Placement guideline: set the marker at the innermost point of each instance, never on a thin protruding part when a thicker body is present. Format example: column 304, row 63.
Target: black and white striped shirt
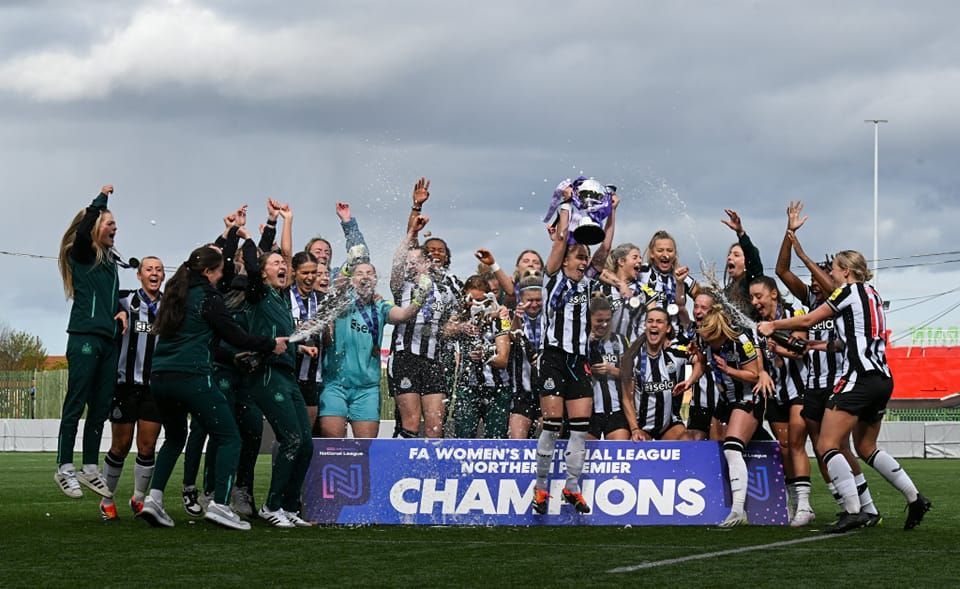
column 567, row 312
column 662, row 288
column 302, row 309
column 627, row 318
column 654, row 379
column 737, row 354
column 822, row 366
column 606, row 389
column 861, row 327
column 422, row 336
column 788, row 374
column 481, row 373
column 136, row 345
column 524, row 352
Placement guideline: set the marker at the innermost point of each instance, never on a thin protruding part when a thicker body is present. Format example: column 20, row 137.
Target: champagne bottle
column 786, row 340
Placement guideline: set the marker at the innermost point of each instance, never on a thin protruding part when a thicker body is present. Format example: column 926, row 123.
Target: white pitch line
column 741, row 550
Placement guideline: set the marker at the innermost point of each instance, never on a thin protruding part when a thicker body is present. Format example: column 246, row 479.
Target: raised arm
column 486, row 257
column 82, row 250
column 599, row 260
column 351, row 231
column 421, row 193
column 399, row 266
column 256, row 290
column 799, row 322
column 269, row 232
column 820, row 276
column 791, row 280
column 286, row 236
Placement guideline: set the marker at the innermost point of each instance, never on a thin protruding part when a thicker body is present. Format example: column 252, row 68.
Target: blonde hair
column 715, row 325
column 854, row 262
column 66, row 246
column 657, row 236
column 618, row 253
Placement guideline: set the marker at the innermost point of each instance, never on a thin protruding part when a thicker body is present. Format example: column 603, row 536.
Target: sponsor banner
column 491, row 482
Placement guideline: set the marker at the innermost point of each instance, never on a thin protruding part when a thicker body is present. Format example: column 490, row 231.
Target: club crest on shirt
column 278, row 397
column 405, row 383
column 549, row 385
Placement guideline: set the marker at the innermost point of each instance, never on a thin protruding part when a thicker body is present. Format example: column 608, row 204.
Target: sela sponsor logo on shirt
column 658, row 387
column 141, row 327
column 825, row 325
column 578, row 299
column 357, row 326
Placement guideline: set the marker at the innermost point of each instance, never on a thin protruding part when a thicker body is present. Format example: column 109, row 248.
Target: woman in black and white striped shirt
column 789, row 372
column 606, row 349
column 524, row 353
column 619, row 284
column 654, row 380
column 737, row 372
column 133, row 403
column 860, row 395
column 564, row 382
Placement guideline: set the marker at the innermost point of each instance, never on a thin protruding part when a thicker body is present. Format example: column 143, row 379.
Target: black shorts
column 867, row 399
column 753, row 407
column 602, row 424
column 564, row 375
column 526, row 404
column 815, row 403
column 132, row 403
column 779, row 413
column 658, row 435
column 410, row 373
column 310, row 392
column 700, row 419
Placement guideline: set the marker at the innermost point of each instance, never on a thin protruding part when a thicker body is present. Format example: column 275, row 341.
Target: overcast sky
column 193, row 108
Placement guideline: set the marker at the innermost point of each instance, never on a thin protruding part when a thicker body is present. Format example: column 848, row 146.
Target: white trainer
column 96, row 482
column 67, row 481
column 802, row 518
column 735, row 518
column 204, row 499
column 277, row 519
column 295, row 519
column 153, row 514
column 223, row 515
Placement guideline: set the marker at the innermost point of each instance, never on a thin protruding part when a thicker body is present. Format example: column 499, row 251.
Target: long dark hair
column 174, row 307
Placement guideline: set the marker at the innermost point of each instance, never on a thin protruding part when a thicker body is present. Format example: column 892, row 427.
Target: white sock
column 142, row 473
column 576, row 454
column 90, row 469
column 792, row 497
column 737, row 467
column 842, row 478
column 836, row 496
column 67, row 467
column 157, row 495
column 866, row 501
column 545, row 446
column 891, row 470
column 802, row 487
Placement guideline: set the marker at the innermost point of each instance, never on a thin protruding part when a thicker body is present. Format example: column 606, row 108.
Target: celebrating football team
column 595, row 341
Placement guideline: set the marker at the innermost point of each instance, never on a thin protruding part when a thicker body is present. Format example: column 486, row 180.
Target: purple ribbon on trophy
column 590, row 206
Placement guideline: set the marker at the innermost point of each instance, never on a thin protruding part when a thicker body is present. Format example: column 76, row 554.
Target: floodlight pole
column 876, row 200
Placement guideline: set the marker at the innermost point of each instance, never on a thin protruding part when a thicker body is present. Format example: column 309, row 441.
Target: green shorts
column 356, row 404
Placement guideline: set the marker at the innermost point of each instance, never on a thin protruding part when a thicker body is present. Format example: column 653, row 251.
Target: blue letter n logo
column 336, row 481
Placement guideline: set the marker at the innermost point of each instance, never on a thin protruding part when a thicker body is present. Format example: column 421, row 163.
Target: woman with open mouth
column 418, row 350
column 861, row 393
column 653, row 381
column 628, row 298
column 606, row 349
column 481, row 330
column 743, row 265
column 524, row 352
column 670, row 282
column 708, row 410
column 273, row 387
column 738, row 374
column 564, row 382
column 89, row 272
column 789, row 372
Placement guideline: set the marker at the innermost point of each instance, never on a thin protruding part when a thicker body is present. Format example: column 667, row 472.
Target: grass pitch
column 47, row 539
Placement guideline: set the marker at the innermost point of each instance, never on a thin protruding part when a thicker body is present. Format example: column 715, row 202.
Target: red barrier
column 924, row 373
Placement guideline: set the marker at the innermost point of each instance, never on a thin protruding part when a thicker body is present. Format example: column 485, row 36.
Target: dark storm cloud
column 193, row 108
